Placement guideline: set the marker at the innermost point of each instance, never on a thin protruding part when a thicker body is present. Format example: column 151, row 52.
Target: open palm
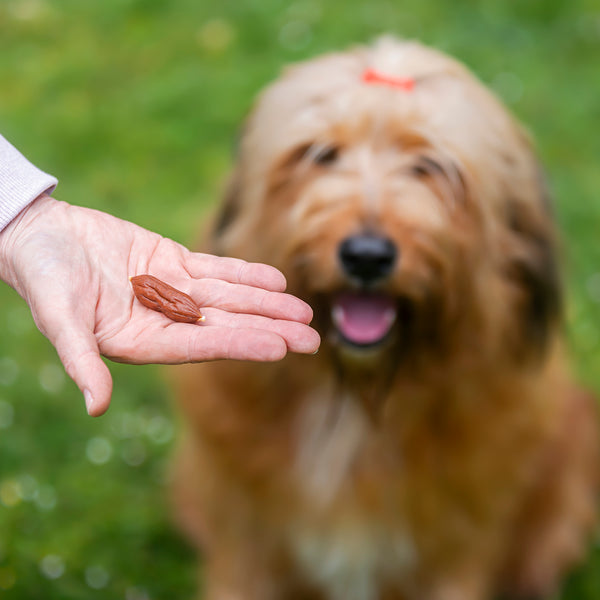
column 72, row 266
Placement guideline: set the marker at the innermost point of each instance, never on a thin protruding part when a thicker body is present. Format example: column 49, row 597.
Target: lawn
column 135, row 106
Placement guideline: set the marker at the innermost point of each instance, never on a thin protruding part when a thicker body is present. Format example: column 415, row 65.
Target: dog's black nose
column 367, row 257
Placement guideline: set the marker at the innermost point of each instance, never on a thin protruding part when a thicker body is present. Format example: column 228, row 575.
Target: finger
column 182, row 343
column 247, row 299
column 235, row 270
column 79, row 354
column 214, row 343
column 298, row 337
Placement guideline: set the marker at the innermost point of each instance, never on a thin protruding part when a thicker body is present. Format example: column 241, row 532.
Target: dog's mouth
column 363, row 319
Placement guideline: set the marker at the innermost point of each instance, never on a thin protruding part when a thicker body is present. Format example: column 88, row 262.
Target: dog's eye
column 445, row 179
column 326, row 155
column 426, row 166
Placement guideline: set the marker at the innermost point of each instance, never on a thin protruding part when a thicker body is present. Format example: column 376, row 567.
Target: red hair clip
column 402, row 83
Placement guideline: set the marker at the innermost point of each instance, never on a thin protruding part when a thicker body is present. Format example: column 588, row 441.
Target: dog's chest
column 353, row 561
column 349, row 536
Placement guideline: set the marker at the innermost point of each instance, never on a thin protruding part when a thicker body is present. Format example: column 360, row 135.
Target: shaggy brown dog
column 435, row 448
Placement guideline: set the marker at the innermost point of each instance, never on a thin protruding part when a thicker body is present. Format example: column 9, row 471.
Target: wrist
column 14, row 234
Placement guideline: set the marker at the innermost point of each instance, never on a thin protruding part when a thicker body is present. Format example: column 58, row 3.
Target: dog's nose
column 367, row 257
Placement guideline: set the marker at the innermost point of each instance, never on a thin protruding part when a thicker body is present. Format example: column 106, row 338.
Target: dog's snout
column 367, row 257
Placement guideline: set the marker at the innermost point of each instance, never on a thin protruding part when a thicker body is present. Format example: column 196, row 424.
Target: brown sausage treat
column 160, row 296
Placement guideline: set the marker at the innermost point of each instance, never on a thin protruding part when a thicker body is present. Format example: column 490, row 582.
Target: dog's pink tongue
column 363, row 318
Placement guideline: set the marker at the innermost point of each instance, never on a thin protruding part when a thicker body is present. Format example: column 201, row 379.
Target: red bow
column 402, row 83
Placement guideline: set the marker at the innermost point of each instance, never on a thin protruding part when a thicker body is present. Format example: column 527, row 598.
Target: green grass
column 135, row 105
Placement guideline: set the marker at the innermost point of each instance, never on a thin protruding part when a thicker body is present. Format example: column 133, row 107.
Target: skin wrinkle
column 216, row 293
column 25, row 220
column 110, row 333
column 240, row 274
column 68, row 347
column 147, row 266
column 182, row 252
column 133, row 343
column 191, row 351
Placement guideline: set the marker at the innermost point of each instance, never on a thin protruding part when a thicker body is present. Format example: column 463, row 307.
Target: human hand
column 72, row 266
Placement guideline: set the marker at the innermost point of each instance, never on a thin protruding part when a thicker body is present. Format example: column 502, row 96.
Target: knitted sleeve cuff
column 20, row 182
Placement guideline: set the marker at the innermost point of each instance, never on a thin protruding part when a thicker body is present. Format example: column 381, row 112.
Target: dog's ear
column 535, row 267
column 227, row 213
column 229, row 206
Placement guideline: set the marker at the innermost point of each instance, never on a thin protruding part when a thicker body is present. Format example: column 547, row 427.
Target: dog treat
column 160, row 296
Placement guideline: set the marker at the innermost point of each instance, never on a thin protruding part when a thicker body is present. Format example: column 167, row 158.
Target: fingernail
column 89, row 400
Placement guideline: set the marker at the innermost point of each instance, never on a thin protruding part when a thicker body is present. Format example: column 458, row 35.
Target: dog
column 436, row 447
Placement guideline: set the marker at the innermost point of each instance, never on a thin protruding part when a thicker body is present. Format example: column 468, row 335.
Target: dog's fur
column 439, row 451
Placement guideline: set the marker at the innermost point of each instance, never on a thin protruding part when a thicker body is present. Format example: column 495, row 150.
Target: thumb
column 79, row 354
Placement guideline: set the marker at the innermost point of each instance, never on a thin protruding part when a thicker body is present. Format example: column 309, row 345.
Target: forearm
column 20, row 182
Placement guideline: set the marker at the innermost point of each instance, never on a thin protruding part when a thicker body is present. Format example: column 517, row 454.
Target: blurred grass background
column 135, row 105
